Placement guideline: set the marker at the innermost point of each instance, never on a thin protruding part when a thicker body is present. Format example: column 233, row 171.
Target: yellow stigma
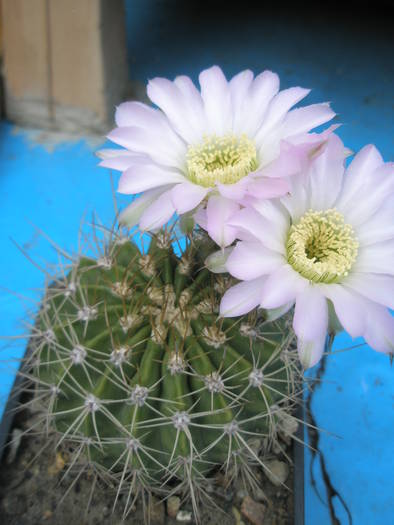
column 221, row 159
column 321, row 247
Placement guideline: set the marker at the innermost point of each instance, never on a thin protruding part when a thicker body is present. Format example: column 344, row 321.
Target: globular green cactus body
column 142, row 374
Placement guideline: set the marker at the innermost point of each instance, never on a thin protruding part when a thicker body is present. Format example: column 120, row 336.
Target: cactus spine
column 142, row 378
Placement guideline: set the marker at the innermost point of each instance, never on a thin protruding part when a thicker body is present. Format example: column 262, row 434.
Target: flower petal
column 267, row 188
column 262, row 90
column 304, row 119
column 234, row 191
column 278, row 108
column 241, row 298
column 201, row 218
column 380, row 329
column 158, row 213
column 250, row 221
column 287, row 161
column 371, row 196
column 326, row 174
column 350, row 307
column 216, row 262
column 367, row 160
column 375, row 258
column 182, row 104
column 152, row 121
column 282, row 287
column 131, row 215
column 380, row 227
column 249, row 260
column 187, row 196
column 116, row 159
column 139, row 178
column 310, row 324
column 151, row 142
column 274, row 212
column 276, row 313
column 215, row 93
column 310, row 352
column 139, row 115
column 377, row 287
column 219, row 211
column 239, row 90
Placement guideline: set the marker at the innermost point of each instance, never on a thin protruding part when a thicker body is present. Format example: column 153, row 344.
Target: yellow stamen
column 322, row 247
column 221, row 159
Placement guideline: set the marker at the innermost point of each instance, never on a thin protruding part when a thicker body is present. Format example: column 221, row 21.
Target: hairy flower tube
column 327, row 248
column 202, row 152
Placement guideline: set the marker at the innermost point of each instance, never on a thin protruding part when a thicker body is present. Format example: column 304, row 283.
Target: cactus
column 138, row 374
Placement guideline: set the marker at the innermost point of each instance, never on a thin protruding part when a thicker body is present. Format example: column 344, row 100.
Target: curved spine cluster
column 139, row 375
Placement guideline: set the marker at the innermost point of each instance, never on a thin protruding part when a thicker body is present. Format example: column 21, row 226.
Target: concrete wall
column 65, row 62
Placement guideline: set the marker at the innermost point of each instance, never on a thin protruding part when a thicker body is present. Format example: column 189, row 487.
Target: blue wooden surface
column 50, row 190
column 345, row 61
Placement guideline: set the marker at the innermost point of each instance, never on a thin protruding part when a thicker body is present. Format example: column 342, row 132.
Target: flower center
column 321, row 247
column 221, row 159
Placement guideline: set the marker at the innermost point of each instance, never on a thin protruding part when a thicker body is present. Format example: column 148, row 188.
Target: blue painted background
column 345, row 59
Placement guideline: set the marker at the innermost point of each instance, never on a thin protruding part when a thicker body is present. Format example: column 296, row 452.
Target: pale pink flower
column 215, row 146
column 328, row 248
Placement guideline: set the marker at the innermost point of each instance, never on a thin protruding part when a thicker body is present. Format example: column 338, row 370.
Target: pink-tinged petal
column 315, row 138
column 200, row 217
column 380, row 329
column 234, row 191
column 375, row 258
column 288, row 161
column 379, row 227
column 239, row 90
column 193, row 108
column 187, row 196
column 219, row 211
column 191, row 95
column 137, row 114
column 267, row 188
column 131, row 215
column 302, row 120
column 155, row 124
column 282, row 287
column 278, row 109
column 297, row 202
column 325, row 174
column 241, row 298
column 310, row 324
column 263, row 89
column 158, row 213
column 117, row 159
column 249, row 260
column 377, row 287
column 371, row 197
column 145, row 177
column 215, row 93
column 159, row 147
column 251, row 222
column 181, row 103
column 359, row 172
column 274, row 212
column 350, row 307
column 109, row 153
